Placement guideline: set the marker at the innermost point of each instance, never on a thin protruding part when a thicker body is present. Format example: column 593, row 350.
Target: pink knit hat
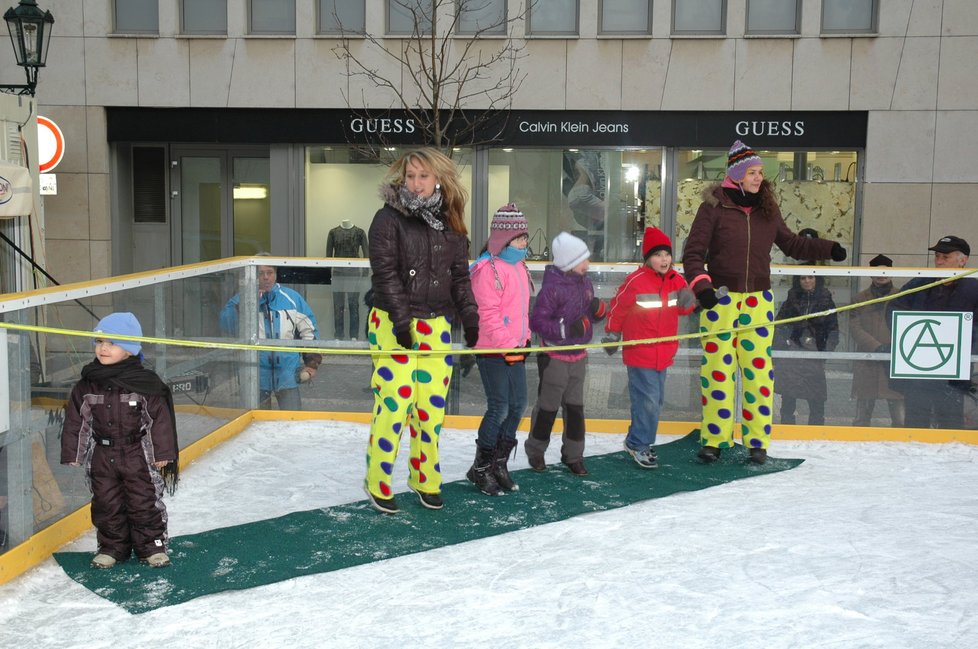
column 507, row 224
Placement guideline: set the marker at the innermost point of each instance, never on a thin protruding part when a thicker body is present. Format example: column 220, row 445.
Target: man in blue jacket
column 931, row 401
column 284, row 315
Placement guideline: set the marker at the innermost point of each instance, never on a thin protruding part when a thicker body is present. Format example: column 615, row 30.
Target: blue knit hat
column 739, row 159
column 124, row 324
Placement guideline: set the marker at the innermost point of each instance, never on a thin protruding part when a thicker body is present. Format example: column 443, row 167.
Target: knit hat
column 507, row 223
column 881, row 260
column 568, row 251
column 124, row 324
column 739, row 159
column 654, row 241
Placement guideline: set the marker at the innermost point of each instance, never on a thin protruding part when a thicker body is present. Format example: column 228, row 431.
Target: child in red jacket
column 648, row 305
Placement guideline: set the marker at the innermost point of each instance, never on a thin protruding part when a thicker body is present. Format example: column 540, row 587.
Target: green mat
column 332, row 538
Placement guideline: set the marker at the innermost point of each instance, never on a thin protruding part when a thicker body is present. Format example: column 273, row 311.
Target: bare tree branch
column 452, row 81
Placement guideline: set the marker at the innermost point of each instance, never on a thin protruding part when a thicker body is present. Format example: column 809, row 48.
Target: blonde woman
column 419, row 257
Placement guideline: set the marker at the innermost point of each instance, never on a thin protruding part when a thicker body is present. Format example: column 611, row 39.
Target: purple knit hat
column 739, row 159
column 507, row 224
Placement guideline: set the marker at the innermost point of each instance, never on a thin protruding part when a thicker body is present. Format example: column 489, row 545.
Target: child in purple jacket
column 564, row 314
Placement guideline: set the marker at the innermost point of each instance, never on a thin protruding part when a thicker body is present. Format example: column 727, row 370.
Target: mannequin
column 347, row 241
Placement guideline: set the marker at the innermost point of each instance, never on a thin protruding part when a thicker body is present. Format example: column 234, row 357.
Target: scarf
column 742, row 198
column 130, row 375
column 513, row 255
column 428, row 208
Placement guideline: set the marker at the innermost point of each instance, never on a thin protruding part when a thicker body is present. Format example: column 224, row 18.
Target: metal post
column 20, row 469
column 248, row 331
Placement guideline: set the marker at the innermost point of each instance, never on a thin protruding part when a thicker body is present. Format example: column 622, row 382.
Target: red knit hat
column 654, row 241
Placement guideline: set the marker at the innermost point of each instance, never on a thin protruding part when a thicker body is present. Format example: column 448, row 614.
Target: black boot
column 504, row 446
column 481, row 472
column 536, row 444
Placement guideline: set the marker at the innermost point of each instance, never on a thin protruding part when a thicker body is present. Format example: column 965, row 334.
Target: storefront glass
column 604, row 196
column 815, row 189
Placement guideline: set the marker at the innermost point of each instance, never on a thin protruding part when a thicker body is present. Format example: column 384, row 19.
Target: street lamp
column 30, row 33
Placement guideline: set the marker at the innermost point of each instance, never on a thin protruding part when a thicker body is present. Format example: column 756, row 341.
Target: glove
column 514, row 357
column 707, row 298
column 612, row 337
column 580, row 327
column 404, row 338
column 598, row 309
column 838, row 252
column 466, row 362
column 883, row 349
column 471, row 336
column 685, row 299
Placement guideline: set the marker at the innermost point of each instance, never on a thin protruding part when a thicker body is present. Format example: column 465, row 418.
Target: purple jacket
column 564, row 299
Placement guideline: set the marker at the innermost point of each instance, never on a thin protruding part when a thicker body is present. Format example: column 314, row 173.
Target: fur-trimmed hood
column 389, row 194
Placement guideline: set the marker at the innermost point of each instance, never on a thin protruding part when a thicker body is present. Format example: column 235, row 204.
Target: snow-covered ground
column 863, row 545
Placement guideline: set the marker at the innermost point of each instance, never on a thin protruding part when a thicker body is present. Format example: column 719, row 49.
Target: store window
column 272, row 16
column 338, row 16
column 137, row 17
column 204, row 17
column 342, row 192
column 625, row 17
column 850, row 16
column 603, row 196
column 699, row 17
column 482, row 16
column 773, row 16
column 553, row 18
column 815, row 189
column 409, row 16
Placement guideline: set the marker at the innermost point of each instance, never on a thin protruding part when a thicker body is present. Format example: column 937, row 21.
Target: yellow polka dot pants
column 409, row 391
column 748, row 351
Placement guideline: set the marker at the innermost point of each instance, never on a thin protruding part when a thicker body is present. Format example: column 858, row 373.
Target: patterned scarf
column 427, row 208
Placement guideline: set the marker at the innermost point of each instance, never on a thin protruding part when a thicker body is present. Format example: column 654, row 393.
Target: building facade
column 200, row 129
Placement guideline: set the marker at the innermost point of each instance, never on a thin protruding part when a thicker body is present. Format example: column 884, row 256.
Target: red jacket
column 639, row 321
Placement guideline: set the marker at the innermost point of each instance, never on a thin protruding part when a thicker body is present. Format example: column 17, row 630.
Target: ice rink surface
column 863, row 545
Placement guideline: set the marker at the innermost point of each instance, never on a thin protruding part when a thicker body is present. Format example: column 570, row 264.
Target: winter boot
column 429, row 500
column 102, row 561
column 504, row 446
column 709, row 454
column 481, row 472
column 758, row 455
column 157, row 560
column 383, row 505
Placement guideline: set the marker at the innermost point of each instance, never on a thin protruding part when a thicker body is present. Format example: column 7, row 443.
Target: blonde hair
column 446, row 173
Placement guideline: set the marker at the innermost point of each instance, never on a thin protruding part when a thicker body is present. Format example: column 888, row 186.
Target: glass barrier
column 829, row 369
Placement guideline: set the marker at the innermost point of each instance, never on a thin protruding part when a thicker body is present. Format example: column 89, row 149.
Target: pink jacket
column 502, row 291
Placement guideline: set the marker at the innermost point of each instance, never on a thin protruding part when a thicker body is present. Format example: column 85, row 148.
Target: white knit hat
column 568, row 251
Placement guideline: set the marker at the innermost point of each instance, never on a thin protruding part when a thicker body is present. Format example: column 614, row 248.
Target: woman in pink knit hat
column 502, row 287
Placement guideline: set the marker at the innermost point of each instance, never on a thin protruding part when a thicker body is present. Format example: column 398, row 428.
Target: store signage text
column 382, row 125
column 770, row 127
column 572, row 127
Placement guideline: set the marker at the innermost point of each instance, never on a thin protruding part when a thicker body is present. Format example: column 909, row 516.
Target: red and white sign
column 50, row 144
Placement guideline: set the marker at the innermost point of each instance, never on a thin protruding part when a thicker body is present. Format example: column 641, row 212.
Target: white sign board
column 931, row 345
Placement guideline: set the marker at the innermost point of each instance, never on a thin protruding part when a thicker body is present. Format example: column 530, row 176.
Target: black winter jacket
column 418, row 272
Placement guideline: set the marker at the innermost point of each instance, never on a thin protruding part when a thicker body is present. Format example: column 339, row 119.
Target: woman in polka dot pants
column 734, row 229
column 419, row 258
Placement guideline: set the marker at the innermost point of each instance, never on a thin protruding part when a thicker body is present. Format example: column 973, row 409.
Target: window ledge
column 271, row 37
column 775, row 36
column 848, row 34
column 698, row 36
column 614, row 36
column 552, row 37
column 202, row 36
column 134, row 35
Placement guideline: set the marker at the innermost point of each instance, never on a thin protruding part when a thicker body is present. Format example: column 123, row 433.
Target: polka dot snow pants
column 723, row 354
column 408, row 391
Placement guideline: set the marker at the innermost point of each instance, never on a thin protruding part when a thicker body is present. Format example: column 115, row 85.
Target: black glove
column 611, row 337
column 404, row 338
column 883, row 349
column 580, row 327
column 598, row 309
column 838, row 252
column 466, row 362
column 707, row 298
column 471, row 336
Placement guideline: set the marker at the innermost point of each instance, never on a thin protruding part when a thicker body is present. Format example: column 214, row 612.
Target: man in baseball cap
column 951, row 243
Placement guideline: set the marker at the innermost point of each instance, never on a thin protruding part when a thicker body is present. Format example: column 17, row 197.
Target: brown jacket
column 870, row 329
column 419, row 272
column 737, row 245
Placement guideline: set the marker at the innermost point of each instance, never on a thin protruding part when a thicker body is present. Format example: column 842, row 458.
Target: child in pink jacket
column 648, row 305
column 502, row 288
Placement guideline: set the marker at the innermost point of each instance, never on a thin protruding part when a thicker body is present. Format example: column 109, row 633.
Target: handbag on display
column 538, row 251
